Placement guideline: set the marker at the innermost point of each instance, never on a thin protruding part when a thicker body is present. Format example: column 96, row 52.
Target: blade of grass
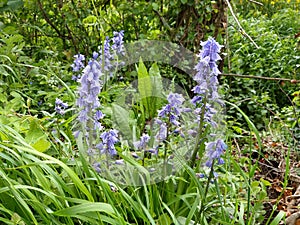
column 249, row 122
column 86, row 208
column 29, row 149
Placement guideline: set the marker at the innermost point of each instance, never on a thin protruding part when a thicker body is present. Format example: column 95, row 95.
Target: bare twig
column 47, row 18
column 243, row 32
column 261, row 77
column 258, row 3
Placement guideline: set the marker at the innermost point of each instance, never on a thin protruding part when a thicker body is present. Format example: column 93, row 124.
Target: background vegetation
column 44, row 179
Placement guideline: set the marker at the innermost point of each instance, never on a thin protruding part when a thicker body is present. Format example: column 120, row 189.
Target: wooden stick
column 261, row 77
column 243, row 32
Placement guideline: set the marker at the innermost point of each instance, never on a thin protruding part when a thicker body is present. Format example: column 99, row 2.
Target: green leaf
column 266, row 183
column 10, row 5
column 155, row 6
column 249, row 122
column 278, row 218
column 157, row 85
column 121, row 120
column 85, row 208
column 164, row 219
column 35, row 132
column 144, row 87
column 41, row 145
column 90, row 20
column 3, row 3
column 157, row 90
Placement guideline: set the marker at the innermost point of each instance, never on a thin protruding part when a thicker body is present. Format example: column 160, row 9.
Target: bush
column 276, row 56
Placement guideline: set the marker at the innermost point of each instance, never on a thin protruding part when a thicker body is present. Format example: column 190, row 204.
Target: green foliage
column 10, row 5
column 45, row 178
column 277, row 56
column 265, row 7
column 150, row 89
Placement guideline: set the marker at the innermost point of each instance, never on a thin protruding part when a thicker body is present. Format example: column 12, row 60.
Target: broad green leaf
column 90, row 20
column 121, row 119
column 10, row 5
column 41, row 145
column 144, row 87
column 157, row 89
column 35, row 132
column 265, row 182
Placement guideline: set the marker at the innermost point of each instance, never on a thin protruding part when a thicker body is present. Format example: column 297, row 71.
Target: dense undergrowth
column 53, row 167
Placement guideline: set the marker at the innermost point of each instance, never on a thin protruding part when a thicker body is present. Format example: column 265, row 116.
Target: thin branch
column 261, row 77
column 47, row 18
column 163, row 21
column 243, row 32
column 258, row 3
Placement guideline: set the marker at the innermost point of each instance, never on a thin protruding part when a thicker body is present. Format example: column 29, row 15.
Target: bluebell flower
column 214, row 151
column 134, row 155
column 174, row 120
column 153, row 150
column 175, row 99
column 207, row 81
column 90, row 80
column 88, row 91
column 60, row 106
column 108, row 141
column 196, row 99
column 179, row 131
column 173, row 109
column 211, row 49
column 119, row 162
column 78, row 62
column 95, row 55
column 206, row 97
column 97, row 167
column 109, row 54
column 106, row 57
column 162, row 133
column 142, row 143
column 192, row 133
column 76, row 133
column 118, row 43
column 200, row 175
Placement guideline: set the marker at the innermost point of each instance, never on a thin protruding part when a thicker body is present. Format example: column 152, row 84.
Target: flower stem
column 199, row 138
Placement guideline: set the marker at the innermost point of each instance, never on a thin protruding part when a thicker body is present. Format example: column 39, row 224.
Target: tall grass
column 36, row 188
